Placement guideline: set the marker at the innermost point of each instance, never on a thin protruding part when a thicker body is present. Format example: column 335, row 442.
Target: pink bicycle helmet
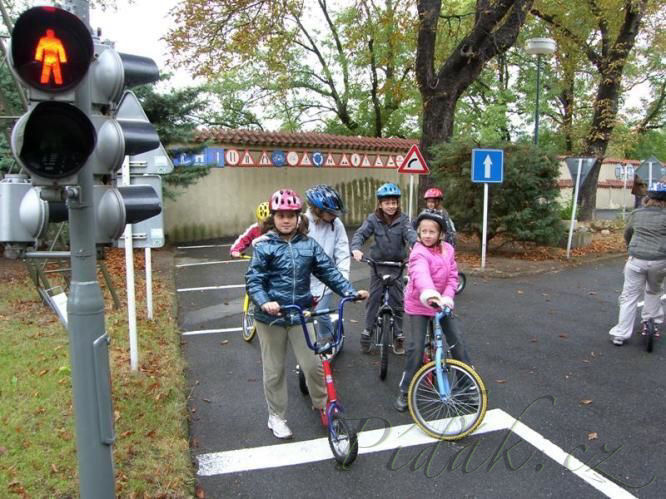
column 433, row 192
column 285, row 200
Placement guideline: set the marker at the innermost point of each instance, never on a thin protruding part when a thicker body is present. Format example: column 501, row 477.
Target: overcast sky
column 137, row 29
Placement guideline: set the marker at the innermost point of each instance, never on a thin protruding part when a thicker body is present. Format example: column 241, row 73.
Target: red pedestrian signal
column 51, row 53
column 51, row 49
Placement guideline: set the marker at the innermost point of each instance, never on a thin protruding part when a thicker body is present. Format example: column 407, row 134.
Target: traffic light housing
column 51, row 53
column 54, row 56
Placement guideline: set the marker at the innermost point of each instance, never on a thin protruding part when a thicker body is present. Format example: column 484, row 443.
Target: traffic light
column 79, row 114
column 51, row 53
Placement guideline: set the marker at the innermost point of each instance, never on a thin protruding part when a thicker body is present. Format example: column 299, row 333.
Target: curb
column 553, row 266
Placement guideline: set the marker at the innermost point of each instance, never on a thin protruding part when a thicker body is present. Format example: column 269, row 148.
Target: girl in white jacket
column 324, row 207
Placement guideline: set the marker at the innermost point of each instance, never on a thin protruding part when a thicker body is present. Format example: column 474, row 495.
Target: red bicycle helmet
column 433, row 192
column 285, row 200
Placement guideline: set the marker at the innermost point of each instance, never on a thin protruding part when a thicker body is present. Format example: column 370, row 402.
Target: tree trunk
column 495, row 30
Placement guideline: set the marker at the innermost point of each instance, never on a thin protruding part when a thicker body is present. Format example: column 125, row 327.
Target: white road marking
column 289, row 454
column 214, row 262
column 212, row 331
column 204, row 246
column 209, row 288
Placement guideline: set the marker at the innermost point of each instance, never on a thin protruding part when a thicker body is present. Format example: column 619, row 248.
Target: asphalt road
column 570, row 414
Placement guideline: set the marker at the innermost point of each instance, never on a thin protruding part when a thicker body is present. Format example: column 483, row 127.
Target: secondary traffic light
column 51, row 52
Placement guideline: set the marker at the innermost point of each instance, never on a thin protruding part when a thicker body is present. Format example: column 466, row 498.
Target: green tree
column 450, row 55
column 522, row 208
column 176, row 114
column 348, row 68
column 603, row 33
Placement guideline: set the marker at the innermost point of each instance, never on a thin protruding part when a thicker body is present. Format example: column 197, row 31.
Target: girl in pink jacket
column 433, row 278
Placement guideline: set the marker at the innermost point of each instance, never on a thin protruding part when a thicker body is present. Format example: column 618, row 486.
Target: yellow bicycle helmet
column 263, row 211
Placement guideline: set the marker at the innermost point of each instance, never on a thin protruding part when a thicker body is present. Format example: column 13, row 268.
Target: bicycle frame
column 387, row 282
column 443, row 385
column 332, row 405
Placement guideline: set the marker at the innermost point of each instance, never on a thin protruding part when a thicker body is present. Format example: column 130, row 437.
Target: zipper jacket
column 391, row 241
column 280, row 271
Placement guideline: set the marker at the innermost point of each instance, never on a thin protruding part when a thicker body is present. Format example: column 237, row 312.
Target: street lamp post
column 539, row 47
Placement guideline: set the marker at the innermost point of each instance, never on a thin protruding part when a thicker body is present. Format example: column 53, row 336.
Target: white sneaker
column 279, row 427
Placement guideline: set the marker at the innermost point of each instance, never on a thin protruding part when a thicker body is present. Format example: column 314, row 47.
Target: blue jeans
column 324, row 325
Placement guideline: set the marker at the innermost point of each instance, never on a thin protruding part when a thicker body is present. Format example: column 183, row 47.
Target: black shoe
column 400, row 403
column 365, row 342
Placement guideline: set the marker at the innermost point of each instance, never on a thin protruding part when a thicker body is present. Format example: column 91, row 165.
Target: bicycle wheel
column 249, row 329
column 385, row 337
column 302, row 385
column 452, row 417
column 342, row 439
column 649, row 335
column 462, row 281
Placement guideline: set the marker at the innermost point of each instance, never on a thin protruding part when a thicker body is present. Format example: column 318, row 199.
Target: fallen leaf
column 586, row 402
column 520, row 292
column 54, row 468
column 126, row 433
column 592, row 435
column 150, row 434
column 206, row 400
column 501, row 381
column 533, row 340
column 353, row 321
column 224, row 342
column 564, row 335
column 592, row 293
column 586, row 361
column 42, row 372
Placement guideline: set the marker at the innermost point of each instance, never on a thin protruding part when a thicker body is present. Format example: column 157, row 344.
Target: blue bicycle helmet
column 657, row 191
column 325, row 198
column 388, row 191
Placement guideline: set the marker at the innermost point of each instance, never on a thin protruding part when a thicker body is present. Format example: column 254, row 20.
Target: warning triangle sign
column 264, row 160
column 247, row 159
column 414, row 163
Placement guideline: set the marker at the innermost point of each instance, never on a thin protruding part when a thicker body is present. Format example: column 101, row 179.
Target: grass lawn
column 37, row 444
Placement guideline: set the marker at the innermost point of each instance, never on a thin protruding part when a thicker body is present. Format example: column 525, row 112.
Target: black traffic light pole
column 89, row 354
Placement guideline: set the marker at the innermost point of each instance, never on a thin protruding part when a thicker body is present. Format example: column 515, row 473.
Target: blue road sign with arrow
column 488, row 166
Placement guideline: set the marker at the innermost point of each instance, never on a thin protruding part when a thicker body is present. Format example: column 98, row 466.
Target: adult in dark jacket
column 393, row 237
column 645, row 269
column 279, row 274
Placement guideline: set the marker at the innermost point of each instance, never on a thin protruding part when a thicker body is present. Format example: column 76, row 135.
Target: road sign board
column 488, row 165
column 414, row 163
column 658, row 170
column 585, row 169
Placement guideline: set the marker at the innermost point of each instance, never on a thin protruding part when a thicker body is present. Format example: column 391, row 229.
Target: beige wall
column 223, row 203
column 608, row 198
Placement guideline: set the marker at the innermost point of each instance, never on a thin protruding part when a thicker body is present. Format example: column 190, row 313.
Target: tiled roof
column 304, row 139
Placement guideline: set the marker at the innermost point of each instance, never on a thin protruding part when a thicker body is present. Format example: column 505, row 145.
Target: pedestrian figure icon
column 51, row 53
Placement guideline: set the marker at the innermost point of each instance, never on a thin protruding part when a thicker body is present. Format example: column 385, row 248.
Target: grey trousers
column 375, row 299
column 274, row 341
column 640, row 276
column 418, row 327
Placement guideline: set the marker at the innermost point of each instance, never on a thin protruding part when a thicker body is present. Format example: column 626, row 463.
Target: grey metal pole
column 88, row 342
column 536, row 112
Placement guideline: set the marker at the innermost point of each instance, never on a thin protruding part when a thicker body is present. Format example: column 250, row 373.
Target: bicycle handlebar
column 337, row 332
column 374, row 263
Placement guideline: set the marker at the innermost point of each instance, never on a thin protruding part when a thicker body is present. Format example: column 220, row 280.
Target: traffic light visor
column 51, row 49
column 57, row 139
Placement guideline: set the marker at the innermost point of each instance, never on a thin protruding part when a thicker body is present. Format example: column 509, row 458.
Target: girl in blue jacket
column 279, row 274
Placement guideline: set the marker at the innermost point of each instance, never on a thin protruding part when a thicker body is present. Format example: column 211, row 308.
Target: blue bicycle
column 341, row 436
column 447, row 398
